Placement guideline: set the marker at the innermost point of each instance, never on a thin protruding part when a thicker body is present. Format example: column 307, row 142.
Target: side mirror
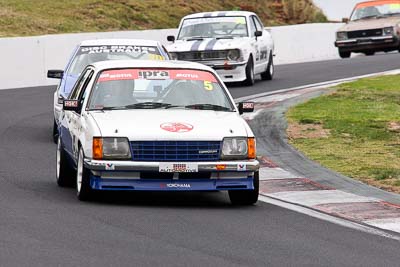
column 245, row 107
column 345, row 20
column 171, row 38
column 258, row 33
column 56, row 74
column 72, row 105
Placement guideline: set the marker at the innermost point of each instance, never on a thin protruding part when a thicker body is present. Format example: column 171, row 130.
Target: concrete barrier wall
column 25, row 60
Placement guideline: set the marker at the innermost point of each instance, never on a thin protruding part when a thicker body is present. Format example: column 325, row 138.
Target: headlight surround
column 238, row 148
column 116, row 148
column 388, row 31
column 341, row 35
column 233, row 54
column 173, row 55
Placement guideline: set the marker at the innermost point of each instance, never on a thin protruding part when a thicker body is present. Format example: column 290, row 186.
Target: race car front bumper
column 229, row 71
column 146, row 176
column 378, row 43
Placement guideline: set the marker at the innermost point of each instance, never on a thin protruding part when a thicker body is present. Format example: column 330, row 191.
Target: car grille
column 175, row 150
column 364, row 33
column 203, row 55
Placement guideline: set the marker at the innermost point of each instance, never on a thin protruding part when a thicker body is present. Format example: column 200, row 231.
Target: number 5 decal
column 208, row 86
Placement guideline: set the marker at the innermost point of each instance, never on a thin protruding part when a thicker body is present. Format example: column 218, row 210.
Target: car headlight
column 173, row 55
column 341, row 35
column 388, row 31
column 238, row 148
column 233, row 54
column 111, row 148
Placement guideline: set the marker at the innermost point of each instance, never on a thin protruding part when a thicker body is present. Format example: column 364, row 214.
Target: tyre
column 55, row 132
column 64, row 172
column 370, row 53
column 269, row 72
column 83, row 190
column 246, row 197
column 344, row 54
column 250, row 80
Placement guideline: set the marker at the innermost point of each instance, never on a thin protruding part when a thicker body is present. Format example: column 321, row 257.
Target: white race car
column 91, row 51
column 234, row 43
column 157, row 126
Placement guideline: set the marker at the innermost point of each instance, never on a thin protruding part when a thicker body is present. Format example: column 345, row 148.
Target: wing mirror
column 245, row 107
column 72, row 105
column 171, row 38
column 345, row 20
column 258, row 33
column 55, row 74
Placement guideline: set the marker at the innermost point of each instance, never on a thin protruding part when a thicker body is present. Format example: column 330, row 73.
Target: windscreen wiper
column 208, row 107
column 196, row 38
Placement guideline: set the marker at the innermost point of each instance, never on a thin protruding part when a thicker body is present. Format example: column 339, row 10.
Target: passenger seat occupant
column 114, row 94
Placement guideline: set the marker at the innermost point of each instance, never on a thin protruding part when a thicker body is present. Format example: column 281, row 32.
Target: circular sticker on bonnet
column 176, row 127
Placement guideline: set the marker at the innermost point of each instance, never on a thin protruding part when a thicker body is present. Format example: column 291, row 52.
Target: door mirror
column 72, row 105
column 56, row 74
column 345, row 20
column 171, row 38
column 245, row 107
column 258, row 33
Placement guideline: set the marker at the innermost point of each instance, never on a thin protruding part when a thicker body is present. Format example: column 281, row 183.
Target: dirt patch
column 394, row 126
column 306, row 131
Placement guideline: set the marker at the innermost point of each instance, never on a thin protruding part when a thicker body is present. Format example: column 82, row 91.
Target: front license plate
column 178, row 167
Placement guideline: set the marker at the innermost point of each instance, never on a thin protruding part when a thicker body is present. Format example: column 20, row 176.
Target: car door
column 262, row 44
column 71, row 121
column 254, row 41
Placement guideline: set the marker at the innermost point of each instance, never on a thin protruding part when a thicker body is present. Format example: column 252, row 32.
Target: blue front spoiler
column 98, row 183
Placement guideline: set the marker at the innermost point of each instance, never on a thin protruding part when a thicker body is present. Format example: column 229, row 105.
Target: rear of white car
column 166, row 126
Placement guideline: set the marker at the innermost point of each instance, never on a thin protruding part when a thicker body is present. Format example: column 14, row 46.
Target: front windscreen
column 87, row 55
column 213, row 27
column 372, row 10
column 158, row 89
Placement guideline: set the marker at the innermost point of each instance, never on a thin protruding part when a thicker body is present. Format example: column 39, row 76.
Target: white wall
column 25, row 60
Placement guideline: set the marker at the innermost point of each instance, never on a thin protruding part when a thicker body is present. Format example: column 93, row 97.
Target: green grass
column 27, row 17
column 361, row 144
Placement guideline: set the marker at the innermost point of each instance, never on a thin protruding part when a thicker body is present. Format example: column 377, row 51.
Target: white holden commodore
column 234, row 43
column 155, row 126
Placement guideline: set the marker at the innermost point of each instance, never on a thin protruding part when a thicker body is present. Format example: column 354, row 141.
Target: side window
column 258, row 23
column 81, row 84
column 252, row 26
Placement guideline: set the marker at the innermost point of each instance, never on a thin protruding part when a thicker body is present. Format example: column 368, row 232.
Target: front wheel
column 246, row 197
column 250, row 80
column 269, row 72
column 84, row 191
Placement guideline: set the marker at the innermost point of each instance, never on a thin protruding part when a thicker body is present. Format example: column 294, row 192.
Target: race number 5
column 208, row 85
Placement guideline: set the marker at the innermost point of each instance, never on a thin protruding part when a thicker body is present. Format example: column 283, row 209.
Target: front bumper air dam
column 98, row 183
column 370, row 43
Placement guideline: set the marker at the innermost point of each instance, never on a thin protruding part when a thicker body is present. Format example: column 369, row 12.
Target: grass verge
column 27, row 17
column 354, row 131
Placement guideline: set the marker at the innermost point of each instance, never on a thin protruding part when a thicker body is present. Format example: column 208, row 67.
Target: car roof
column 121, row 64
column 219, row 14
column 140, row 42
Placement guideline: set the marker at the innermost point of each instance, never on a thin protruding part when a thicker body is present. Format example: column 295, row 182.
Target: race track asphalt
column 42, row 224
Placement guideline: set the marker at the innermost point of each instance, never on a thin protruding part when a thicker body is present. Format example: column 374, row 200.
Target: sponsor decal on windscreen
column 118, row 49
column 158, row 74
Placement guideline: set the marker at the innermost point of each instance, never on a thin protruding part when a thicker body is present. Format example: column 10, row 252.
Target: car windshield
column 213, row 27
column 90, row 54
column 158, row 88
column 381, row 9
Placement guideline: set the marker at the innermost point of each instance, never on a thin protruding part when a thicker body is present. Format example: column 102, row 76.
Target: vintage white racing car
column 234, row 43
column 90, row 51
column 158, row 126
